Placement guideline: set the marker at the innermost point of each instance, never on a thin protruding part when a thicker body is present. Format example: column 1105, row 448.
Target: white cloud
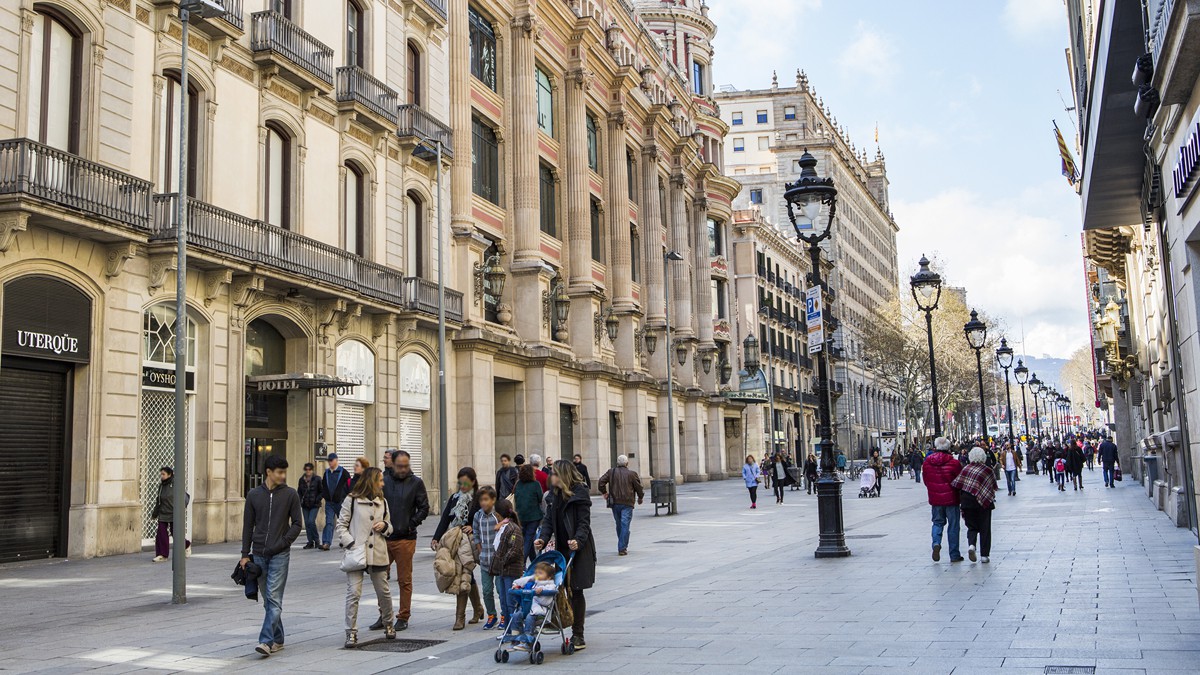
column 870, row 54
column 1029, row 17
column 1019, row 259
column 755, row 37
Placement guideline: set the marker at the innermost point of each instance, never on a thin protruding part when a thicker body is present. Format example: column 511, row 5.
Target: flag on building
column 1068, row 162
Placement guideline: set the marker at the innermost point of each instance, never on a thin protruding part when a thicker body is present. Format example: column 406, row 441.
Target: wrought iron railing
column 227, row 233
column 1161, row 23
column 438, row 6
column 233, row 13
column 67, row 180
column 356, row 85
column 415, row 121
column 273, row 32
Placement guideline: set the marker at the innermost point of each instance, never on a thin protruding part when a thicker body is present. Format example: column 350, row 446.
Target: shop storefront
column 47, row 327
column 353, row 418
column 414, row 409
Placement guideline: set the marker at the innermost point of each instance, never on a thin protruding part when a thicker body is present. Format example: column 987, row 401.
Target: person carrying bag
column 362, row 527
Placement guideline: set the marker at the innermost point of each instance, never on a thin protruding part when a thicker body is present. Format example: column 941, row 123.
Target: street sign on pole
column 814, row 318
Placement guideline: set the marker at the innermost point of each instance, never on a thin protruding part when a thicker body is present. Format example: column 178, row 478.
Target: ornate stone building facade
column 768, row 131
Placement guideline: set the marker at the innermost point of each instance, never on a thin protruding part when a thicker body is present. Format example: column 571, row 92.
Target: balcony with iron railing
column 425, row 130
column 299, row 57
column 224, row 233
column 373, row 102
column 431, row 11
column 226, row 24
column 60, row 179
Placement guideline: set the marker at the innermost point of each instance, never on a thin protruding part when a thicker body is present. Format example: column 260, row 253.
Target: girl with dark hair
column 164, row 511
column 568, row 520
column 459, row 513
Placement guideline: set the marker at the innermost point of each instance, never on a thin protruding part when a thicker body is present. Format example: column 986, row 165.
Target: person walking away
column 752, row 476
column 876, row 463
column 527, row 501
column 540, row 476
column 509, row 561
column 164, row 511
column 764, row 470
column 916, row 463
column 840, row 461
column 620, row 486
column 1089, row 455
column 1060, row 473
column 270, row 523
column 940, row 468
column 458, row 514
column 1075, row 462
column 976, row 485
column 583, row 470
column 810, row 472
column 1108, row 460
column 506, row 477
column 780, row 477
column 309, row 489
column 569, row 521
column 483, row 532
column 335, row 485
column 1010, row 459
column 408, row 507
column 364, row 523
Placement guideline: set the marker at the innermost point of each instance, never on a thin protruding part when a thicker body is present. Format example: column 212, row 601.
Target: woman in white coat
column 362, row 529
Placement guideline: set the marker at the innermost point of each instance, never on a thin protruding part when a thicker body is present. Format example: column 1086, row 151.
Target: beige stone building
column 768, row 131
column 311, row 306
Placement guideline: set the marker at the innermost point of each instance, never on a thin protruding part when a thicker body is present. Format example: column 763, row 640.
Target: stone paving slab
column 1095, row 578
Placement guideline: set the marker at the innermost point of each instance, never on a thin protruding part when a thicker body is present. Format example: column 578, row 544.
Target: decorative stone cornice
column 118, row 255
column 160, row 266
column 328, row 311
column 11, row 223
column 244, row 288
column 213, row 281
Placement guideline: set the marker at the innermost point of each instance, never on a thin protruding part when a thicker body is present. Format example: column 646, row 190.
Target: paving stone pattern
column 1095, row 578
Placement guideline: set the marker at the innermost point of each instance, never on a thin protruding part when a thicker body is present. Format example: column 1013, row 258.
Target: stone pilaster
column 523, row 151
column 681, row 314
column 691, row 455
column 460, row 115
column 650, row 214
column 714, row 464
column 579, row 238
column 620, row 276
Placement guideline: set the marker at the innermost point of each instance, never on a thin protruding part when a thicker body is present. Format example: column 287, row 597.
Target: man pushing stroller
column 535, row 605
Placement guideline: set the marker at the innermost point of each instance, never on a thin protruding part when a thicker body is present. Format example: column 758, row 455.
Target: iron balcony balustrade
column 299, row 57
column 375, row 103
column 229, row 23
column 417, row 123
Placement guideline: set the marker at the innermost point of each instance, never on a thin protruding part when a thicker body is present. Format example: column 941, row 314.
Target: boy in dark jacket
column 270, row 523
column 310, row 492
column 509, row 557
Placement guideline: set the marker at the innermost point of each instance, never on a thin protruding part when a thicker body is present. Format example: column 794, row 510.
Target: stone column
column 460, row 116
column 523, row 153
column 694, row 437
column 702, row 288
column 620, row 275
column 650, row 215
column 714, row 463
column 681, row 314
column 578, row 221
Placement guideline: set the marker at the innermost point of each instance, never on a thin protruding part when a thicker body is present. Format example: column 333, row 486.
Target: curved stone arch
column 353, row 335
column 83, row 15
column 169, row 62
column 364, row 161
column 420, row 347
column 197, row 312
column 297, row 324
column 85, row 282
column 286, row 118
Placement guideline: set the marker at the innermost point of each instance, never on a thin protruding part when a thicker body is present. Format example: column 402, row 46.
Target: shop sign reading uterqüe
column 46, row 318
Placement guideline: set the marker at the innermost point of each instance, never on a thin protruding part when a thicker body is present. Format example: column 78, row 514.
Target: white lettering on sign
column 161, row 377
column 1186, row 162
column 356, row 363
column 278, row 385
column 414, row 382
column 59, row 344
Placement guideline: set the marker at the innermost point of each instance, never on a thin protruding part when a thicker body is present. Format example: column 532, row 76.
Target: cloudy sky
column 964, row 94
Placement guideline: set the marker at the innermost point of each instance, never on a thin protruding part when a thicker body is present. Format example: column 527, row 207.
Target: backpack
column 1060, row 465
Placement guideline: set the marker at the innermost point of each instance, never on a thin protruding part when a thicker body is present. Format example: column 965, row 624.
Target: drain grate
column 865, row 536
column 402, row 646
column 676, row 541
column 1070, row 670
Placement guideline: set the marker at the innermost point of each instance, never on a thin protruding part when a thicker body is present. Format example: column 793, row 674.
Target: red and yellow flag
column 1068, row 162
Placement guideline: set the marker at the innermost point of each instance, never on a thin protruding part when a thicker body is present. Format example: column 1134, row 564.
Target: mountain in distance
column 1047, row 368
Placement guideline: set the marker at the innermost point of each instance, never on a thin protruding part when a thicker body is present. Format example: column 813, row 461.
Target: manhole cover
column 676, row 541
column 386, row 645
column 1070, row 670
column 865, row 536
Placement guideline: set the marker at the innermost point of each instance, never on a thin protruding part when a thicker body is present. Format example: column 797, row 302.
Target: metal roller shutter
column 351, row 442
column 33, row 427
column 412, row 438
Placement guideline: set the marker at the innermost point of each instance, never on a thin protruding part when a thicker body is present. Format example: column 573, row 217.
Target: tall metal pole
column 1008, row 408
column 443, row 432
column 179, row 519
column 670, row 378
column 770, row 377
column 937, row 418
column 1037, row 414
column 829, row 485
column 1028, row 436
column 982, row 404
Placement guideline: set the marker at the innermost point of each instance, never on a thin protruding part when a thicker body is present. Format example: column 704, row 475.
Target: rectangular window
column 485, row 161
column 354, row 35
column 54, row 84
column 716, row 238
column 483, row 48
column 545, row 103
column 719, row 303
column 737, row 119
column 631, row 175
column 597, row 244
column 756, row 196
column 764, row 142
column 635, row 255
column 547, row 200
column 789, row 112
column 698, row 78
column 762, row 116
column 593, row 144
column 739, row 172
column 739, row 145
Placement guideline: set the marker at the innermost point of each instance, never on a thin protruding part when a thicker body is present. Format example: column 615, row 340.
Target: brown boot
column 476, row 605
column 460, row 612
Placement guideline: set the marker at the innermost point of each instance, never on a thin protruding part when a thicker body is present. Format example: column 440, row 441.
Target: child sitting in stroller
column 866, row 484
column 524, row 618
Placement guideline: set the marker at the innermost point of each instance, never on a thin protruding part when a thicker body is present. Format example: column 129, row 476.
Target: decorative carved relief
column 213, row 281
column 380, row 323
column 118, row 255
column 11, row 223
column 327, row 311
column 244, row 288
column 353, row 312
column 160, row 266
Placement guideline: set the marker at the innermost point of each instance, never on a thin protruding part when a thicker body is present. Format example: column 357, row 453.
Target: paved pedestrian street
column 1091, row 579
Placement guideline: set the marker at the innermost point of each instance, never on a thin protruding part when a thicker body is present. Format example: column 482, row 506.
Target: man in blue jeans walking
column 620, row 487
column 940, row 468
column 270, row 523
column 335, row 485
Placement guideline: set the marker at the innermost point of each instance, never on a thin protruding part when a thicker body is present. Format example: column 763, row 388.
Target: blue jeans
column 1108, row 475
column 943, row 516
column 274, row 571
column 623, row 515
column 524, row 623
column 331, row 516
column 529, row 531
column 508, row 599
column 310, row 525
column 1011, row 478
column 917, row 471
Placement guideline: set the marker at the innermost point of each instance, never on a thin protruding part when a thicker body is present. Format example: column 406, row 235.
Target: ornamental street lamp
column 926, row 291
column 726, row 371
column 1022, row 375
column 1004, row 357
column 1035, row 388
column 668, row 257
column 976, row 332
column 805, row 199
column 1065, row 402
column 769, row 376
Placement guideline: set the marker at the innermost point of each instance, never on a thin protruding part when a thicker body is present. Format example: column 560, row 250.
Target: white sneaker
column 263, row 649
column 983, row 559
column 188, row 551
column 971, row 553
column 160, row 558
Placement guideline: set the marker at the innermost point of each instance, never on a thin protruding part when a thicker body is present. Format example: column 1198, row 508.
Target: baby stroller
column 550, row 623
column 866, row 484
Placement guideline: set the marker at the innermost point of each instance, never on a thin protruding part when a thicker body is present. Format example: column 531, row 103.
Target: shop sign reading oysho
column 164, row 378
column 414, row 382
column 46, row 318
column 356, row 363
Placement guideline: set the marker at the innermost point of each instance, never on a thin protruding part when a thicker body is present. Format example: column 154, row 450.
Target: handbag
column 1117, row 474
column 355, row 559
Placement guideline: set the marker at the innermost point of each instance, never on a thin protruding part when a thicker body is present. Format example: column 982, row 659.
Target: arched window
column 414, row 75
column 353, row 228
column 277, row 177
column 158, row 336
column 168, row 152
column 54, row 82
column 417, row 240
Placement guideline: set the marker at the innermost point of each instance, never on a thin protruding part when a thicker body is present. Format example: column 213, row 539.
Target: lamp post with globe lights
column 1022, row 375
column 1004, row 358
column 1035, row 388
column 976, row 332
column 926, row 288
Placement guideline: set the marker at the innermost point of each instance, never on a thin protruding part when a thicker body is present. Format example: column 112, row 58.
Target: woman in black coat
column 569, row 520
column 780, row 476
column 460, row 512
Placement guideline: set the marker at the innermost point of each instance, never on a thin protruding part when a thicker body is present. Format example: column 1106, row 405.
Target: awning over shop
column 751, row 389
column 322, row 385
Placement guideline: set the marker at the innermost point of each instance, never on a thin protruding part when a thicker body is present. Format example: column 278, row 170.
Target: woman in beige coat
column 364, row 521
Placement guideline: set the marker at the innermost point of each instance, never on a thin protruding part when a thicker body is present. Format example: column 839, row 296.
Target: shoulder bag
column 353, row 559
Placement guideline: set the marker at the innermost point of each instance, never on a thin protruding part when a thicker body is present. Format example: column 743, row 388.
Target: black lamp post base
column 829, row 513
